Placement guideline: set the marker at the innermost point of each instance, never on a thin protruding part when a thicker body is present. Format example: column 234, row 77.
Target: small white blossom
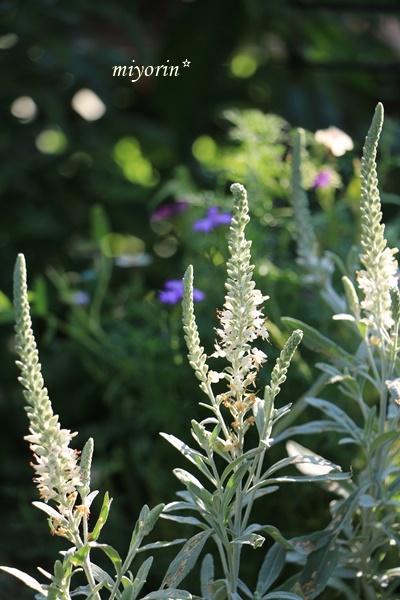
column 335, row 139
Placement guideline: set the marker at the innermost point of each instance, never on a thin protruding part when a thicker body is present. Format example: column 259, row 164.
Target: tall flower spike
column 319, row 268
column 379, row 276
column 196, row 356
column 57, row 471
column 242, row 321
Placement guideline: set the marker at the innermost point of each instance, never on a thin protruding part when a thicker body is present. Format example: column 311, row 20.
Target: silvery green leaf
column 101, row 521
column 195, row 457
column 259, row 415
column 347, row 440
column 231, row 487
column 180, row 519
column 243, row 587
column 111, row 553
column 251, row 539
column 313, row 541
column 200, row 495
column 79, row 557
column 278, row 537
column 259, row 493
column 27, row 579
column 314, row 340
column 49, row 511
column 140, row 579
column 308, row 462
column 89, row 499
column 282, row 595
column 343, row 317
column 318, row 569
column 149, row 518
column 271, row 568
column 331, row 476
column 207, row 577
column 384, row 438
column 96, row 589
column 185, row 560
column 45, row 573
column 157, row 545
column 338, row 415
column 129, row 592
column 306, row 429
column 82, row 590
column 168, row 595
column 177, row 505
column 250, row 454
column 104, row 579
column 367, row 501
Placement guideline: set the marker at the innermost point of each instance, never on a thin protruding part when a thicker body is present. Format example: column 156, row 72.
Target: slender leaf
column 195, row 457
column 251, row 539
column 168, row 595
column 318, row 569
column 338, row 415
column 157, row 545
column 207, row 577
column 27, row 579
column 101, row 521
column 79, row 557
column 200, row 495
column 231, row 487
column 50, row 511
column 140, row 578
column 129, row 592
column 148, row 519
column 112, row 555
column 317, row 342
column 271, row 568
column 250, row 454
column 281, row 595
column 278, row 537
column 185, row 560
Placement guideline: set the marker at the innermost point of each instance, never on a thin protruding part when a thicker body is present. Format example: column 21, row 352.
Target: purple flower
column 213, row 219
column 323, row 179
column 173, row 292
column 169, row 209
column 80, row 298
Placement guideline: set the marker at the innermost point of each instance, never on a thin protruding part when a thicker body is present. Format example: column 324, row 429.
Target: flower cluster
column 57, row 471
column 379, row 275
column 242, row 320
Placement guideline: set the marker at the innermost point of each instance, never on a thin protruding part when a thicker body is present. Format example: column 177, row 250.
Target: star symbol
column 186, row 63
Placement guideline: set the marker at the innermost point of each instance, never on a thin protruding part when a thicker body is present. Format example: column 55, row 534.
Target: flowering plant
column 353, row 553
column 234, row 469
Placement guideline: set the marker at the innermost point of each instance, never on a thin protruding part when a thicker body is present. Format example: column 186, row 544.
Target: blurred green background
column 101, row 180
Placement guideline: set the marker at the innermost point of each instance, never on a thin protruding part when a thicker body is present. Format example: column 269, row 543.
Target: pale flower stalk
column 58, row 476
column 242, row 320
column 379, row 275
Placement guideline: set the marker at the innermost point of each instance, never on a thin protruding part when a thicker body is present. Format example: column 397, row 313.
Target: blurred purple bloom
column 173, row 292
column 80, row 298
column 323, row 179
column 169, row 209
column 213, row 219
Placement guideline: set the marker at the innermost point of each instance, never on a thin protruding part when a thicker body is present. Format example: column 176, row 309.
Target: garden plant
column 356, row 556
